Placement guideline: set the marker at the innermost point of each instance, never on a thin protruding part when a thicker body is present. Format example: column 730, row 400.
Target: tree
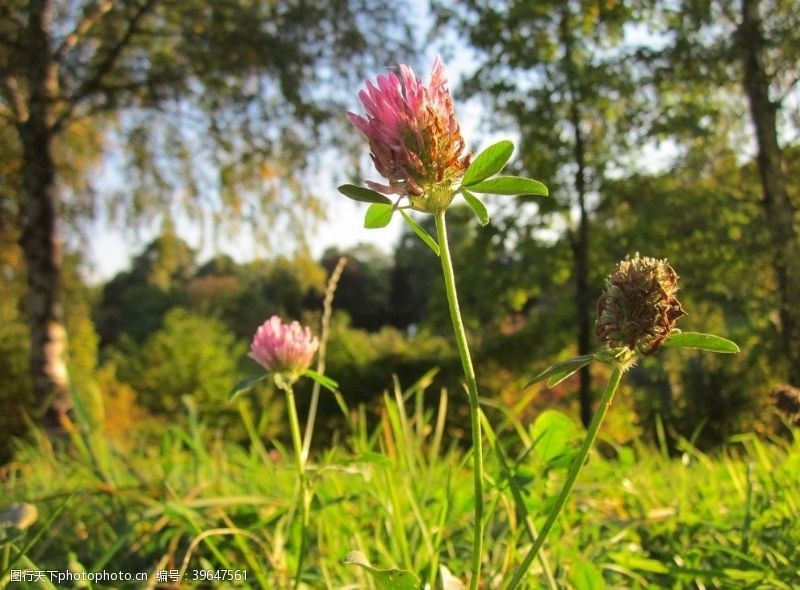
column 555, row 71
column 414, row 281
column 759, row 77
column 134, row 302
column 240, row 73
column 700, row 215
column 363, row 289
column 287, row 287
column 188, row 356
column 748, row 49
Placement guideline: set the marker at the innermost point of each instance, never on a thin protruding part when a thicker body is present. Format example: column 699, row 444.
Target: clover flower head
column 283, row 348
column 414, row 137
column 638, row 307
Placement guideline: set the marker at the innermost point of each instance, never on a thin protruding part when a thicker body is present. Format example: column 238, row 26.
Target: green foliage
column 17, row 409
column 585, row 576
column 134, row 302
column 725, row 279
column 361, row 361
column 386, row 579
column 554, row 435
column 510, row 185
column 556, row 373
column 414, row 279
column 488, row 163
column 283, row 286
column 16, row 393
column 640, row 518
column 477, row 206
column 363, row 291
column 378, row 215
column 363, row 194
column 707, row 342
column 493, row 280
column 189, row 356
column 421, row 233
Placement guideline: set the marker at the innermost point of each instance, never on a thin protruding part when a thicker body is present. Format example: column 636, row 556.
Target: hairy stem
column 572, row 476
column 472, row 391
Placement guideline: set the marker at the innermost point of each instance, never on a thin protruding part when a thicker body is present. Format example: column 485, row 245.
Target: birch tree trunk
column 39, row 211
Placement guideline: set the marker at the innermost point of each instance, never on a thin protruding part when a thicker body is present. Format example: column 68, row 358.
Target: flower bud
column 283, row 348
column 638, row 308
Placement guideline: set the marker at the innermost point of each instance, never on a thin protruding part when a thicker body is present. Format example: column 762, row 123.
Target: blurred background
column 167, row 182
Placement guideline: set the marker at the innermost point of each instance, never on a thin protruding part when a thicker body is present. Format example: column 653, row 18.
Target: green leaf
column 635, row 562
column 585, row 576
column 391, row 579
column 363, row 194
column 477, row 206
column 244, row 386
column 323, row 380
column 376, row 458
column 698, row 341
column 560, row 371
column 378, row 215
column 553, row 433
column 510, row 185
column 490, row 161
column 423, row 235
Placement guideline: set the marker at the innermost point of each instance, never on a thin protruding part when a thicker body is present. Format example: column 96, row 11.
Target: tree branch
column 83, row 27
column 95, row 81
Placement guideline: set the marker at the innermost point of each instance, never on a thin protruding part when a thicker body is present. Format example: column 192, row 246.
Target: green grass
column 400, row 493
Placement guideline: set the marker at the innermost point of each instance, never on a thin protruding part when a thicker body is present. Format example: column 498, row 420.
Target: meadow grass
column 400, row 492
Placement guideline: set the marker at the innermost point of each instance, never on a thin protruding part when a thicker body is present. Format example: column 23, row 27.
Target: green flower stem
column 303, row 500
column 516, row 493
column 572, row 475
column 472, row 391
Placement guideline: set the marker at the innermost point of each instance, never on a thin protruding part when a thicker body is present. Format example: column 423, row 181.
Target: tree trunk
column 779, row 210
column 39, row 210
column 582, row 293
column 579, row 242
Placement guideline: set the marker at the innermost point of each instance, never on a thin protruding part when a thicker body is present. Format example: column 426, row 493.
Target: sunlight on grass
column 400, row 493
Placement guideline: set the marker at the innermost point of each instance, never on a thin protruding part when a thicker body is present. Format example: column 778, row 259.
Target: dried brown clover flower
column 638, row 308
column 787, row 401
